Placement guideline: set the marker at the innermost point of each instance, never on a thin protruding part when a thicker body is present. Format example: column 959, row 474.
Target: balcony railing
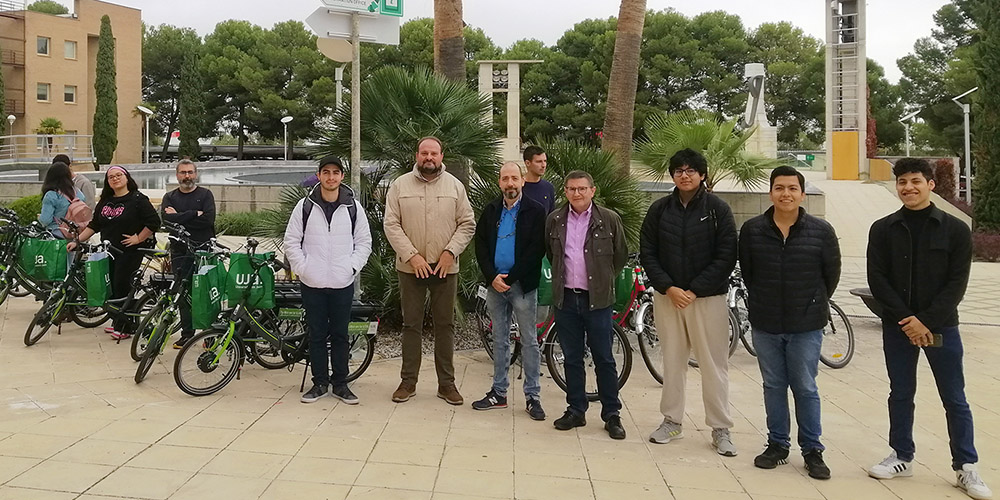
column 11, row 5
column 41, row 148
column 13, row 107
column 12, row 57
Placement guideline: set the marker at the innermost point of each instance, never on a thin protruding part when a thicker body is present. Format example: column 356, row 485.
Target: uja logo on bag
column 248, row 279
column 213, row 294
column 39, row 260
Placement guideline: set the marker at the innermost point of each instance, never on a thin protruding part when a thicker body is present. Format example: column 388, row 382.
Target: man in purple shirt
column 586, row 245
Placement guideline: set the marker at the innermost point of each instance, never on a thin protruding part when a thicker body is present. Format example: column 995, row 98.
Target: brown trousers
column 413, row 293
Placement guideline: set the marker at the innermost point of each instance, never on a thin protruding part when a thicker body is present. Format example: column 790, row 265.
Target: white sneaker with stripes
column 890, row 468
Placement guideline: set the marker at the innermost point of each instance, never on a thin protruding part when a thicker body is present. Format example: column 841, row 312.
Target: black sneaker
column 534, row 409
column 773, row 456
column 344, row 394
column 570, row 420
column 315, row 393
column 181, row 342
column 492, row 401
column 815, row 465
column 614, row 427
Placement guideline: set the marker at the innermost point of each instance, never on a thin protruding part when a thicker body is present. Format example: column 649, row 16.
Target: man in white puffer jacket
column 327, row 242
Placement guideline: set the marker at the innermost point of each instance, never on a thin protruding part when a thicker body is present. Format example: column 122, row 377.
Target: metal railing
column 13, row 107
column 12, row 57
column 11, row 5
column 41, row 148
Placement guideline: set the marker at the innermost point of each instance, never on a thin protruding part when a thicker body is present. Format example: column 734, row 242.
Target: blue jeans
column 578, row 325
column 946, row 364
column 523, row 307
column 328, row 313
column 791, row 360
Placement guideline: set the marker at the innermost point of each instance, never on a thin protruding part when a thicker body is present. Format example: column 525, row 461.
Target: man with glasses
column 687, row 246
column 193, row 207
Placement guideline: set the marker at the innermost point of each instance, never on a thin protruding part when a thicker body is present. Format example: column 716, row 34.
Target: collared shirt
column 506, row 227
column 577, row 226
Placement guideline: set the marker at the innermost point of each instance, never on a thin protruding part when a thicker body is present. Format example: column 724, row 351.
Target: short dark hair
column 787, row 171
column 532, row 151
column 430, row 138
column 330, row 160
column 60, row 158
column 688, row 158
column 913, row 166
column 579, row 174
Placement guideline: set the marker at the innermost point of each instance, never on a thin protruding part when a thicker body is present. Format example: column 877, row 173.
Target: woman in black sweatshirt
column 127, row 219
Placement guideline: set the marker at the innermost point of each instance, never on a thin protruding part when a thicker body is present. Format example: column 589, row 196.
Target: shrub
column 986, row 246
column 27, row 208
column 237, row 223
column 945, row 183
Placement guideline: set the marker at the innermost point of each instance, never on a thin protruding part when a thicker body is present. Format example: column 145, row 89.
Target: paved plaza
column 73, row 424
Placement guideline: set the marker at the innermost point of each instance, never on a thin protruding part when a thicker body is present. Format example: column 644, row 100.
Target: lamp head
column 287, row 119
column 144, row 110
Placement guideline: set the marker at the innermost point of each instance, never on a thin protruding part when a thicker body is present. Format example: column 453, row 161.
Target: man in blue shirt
column 536, row 188
column 510, row 244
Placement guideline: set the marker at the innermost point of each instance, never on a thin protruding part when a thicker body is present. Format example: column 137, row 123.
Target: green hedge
column 237, row 223
column 27, row 208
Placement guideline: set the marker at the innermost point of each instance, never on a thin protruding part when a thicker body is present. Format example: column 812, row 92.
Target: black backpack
column 307, row 207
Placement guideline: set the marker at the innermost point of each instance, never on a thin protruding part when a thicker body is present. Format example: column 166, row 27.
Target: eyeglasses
column 690, row 172
column 115, row 177
column 189, row 172
column 578, row 189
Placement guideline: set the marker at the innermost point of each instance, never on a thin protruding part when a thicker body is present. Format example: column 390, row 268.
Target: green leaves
column 106, row 110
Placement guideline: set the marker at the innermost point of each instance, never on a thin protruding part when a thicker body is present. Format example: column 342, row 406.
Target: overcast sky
column 893, row 25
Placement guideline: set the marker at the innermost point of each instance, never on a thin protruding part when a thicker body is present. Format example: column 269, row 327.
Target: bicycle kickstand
column 302, row 387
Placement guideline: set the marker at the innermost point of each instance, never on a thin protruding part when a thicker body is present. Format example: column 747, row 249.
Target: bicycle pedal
column 238, row 372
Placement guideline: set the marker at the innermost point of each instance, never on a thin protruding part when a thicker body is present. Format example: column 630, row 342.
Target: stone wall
column 746, row 205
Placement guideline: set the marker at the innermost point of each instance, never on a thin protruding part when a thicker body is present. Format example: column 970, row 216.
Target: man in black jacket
column 790, row 262
column 510, row 243
column 193, row 207
column 918, row 268
column 688, row 249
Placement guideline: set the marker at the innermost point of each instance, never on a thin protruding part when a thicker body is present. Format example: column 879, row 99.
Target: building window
column 70, row 49
column 69, row 94
column 43, row 92
column 43, row 46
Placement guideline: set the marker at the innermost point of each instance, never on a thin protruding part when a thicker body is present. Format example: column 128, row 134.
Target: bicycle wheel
column 18, row 290
column 208, row 362
column 734, row 339
column 145, row 329
column 649, row 344
column 5, row 287
column 621, row 350
column 89, row 317
column 267, row 355
column 156, row 342
column 361, row 353
column 838, row 339
column 43, row 319
column 485, row 326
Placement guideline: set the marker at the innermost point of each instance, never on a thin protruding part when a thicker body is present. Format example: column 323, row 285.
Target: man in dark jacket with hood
column 791, row 265
column 510, row 243
column 688, row 249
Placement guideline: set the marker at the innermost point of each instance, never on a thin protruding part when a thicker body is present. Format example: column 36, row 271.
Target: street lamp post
column 147, row 113
column 907, row 121
column 13, row 141
column 966, row 109
column 284, row 123
column 339, row 74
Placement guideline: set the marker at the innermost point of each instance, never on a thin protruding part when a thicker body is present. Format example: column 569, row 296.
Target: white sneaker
column 972, row 484
column 891, row 467
column 666, row 432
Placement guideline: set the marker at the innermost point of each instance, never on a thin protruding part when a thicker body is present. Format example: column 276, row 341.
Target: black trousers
column 122, row 269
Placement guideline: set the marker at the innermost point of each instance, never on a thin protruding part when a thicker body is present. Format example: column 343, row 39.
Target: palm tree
column 50, row 126
column 723, row 145
column 620, row 112
column 449, row 43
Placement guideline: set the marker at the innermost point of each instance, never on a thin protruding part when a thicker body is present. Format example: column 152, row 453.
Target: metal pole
column 285, row 125
column 340, row 85
column 966, row 108
column 147, row 139
column 356, row 116
column 907, row 139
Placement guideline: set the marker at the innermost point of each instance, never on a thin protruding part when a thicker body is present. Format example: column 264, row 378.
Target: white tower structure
column 507, row 81
column 764, row 141
column 846, row 89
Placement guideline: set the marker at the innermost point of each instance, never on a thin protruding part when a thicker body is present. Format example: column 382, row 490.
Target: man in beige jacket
column 428, row 222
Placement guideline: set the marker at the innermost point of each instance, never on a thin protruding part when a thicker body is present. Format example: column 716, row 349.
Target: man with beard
column 192, row 207
column 510, row 244
column 428, row 221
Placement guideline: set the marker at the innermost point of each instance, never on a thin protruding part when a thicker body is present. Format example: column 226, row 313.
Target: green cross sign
column 391, row 8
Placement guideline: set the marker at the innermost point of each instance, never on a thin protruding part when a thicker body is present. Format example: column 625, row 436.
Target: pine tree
column 106, row 111
column 986, row 198
column 192, row 104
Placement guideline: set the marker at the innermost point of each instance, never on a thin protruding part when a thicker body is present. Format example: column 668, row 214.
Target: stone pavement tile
column 414, row 433
column 268, row 442
column 201, row 437
column 136, row 431
column 62, row 476
column 164, row 412
column 223, row 419
column 700, row 494
column 549, row 464
column 612, row 449
column 203, row 486
column 173, row 458
column 352, row 429
column 100, row 451
column 246, row 464
column 479, row 483
column 12, row 466
column 792, row 485
column 279, row 424
column 68, row 426
column 686, row 476
column 624, row 471
column 503, row 420
column 605, row 490
column 397, row 476
column 322, row 470
column 528, row 487
column 11, row 493
column 132, row 482
column 375, row 493
column 34, row 445
column 283, row 490
column 244, row 404
column 920, row 490
column 394, row 452
column 331, row 446
column 856, row 487
column 498, row 439
column 456, row 496
column 548, row 440
column 477, row 459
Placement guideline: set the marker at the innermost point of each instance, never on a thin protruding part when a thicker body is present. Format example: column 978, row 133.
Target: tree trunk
column 239, row 137
column 620, row 112
column 449, row 44
column 171, row 123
